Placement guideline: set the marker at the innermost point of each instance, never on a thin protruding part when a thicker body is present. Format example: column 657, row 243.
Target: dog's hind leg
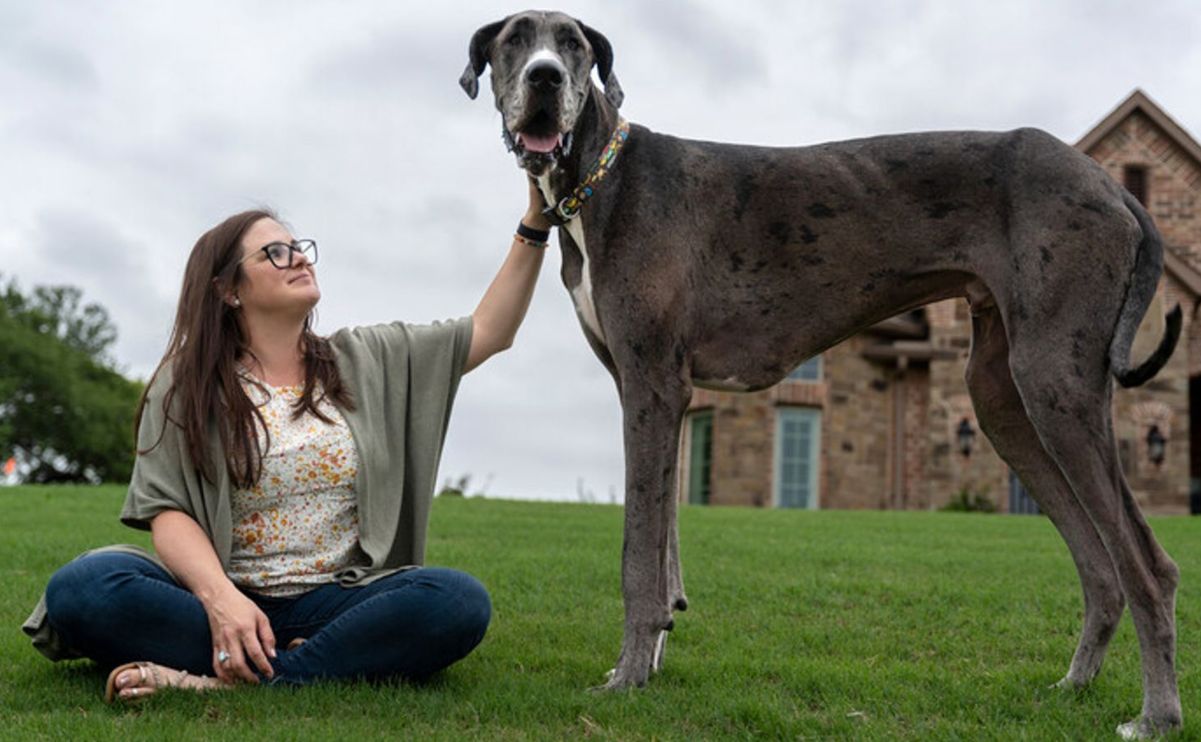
column 1060, row 367
column 652, row 410
column 1003, row 419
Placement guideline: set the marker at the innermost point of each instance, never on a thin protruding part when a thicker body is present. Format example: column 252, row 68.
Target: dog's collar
column 569, row 206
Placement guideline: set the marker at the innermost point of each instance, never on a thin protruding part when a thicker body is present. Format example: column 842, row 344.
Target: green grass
column 822, row 625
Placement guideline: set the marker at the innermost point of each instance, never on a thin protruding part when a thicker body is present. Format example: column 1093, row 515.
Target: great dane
column 724, row 266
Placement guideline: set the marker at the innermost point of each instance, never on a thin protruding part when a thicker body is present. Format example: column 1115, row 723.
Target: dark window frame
column 700, row 473
column 1135, row 179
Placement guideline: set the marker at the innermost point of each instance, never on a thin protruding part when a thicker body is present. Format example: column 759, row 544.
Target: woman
column 286, row 481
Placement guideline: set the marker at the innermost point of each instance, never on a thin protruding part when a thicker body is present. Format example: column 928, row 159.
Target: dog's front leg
column 652, row 426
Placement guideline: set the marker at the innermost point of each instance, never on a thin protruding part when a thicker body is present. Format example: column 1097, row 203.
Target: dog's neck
column 592, row 131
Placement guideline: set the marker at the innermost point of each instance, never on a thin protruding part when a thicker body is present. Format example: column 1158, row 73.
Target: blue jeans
column 118, row 608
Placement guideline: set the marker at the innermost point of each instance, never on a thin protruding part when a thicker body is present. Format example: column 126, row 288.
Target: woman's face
column 270, row 290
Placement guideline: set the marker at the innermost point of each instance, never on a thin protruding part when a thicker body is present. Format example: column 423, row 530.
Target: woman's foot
column 136, row 680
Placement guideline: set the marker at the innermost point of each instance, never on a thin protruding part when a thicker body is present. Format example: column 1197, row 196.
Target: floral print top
column 299, row 525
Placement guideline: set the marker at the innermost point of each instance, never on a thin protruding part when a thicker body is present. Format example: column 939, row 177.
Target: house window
column 810, row 370
column 1135, row 180
column 798, row 433
column 700, row 456
column 1020, row 501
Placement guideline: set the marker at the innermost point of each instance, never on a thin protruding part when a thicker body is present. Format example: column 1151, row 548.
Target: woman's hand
column 237, row 625
column 241, row 629
column 533, row 214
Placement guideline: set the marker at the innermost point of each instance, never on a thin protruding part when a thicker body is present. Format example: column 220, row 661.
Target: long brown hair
column 202, row 355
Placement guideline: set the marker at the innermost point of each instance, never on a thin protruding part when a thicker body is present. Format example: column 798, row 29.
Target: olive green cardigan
column 402, row 380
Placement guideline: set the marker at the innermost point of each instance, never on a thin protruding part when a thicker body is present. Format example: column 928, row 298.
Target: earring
column 237, row 302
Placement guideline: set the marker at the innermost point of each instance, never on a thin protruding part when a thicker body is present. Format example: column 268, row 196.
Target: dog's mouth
column 537, row 143
column 543, row 144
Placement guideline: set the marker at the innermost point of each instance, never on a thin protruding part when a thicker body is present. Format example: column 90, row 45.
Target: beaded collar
column 569, row 206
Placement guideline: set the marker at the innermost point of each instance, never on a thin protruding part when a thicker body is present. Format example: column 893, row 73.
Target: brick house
column 882, row 420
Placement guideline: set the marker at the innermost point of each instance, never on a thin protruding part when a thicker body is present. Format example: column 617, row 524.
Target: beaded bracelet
column 528, row 241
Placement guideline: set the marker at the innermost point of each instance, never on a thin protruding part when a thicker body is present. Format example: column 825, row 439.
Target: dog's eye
column 514, row 40
column 571, row 44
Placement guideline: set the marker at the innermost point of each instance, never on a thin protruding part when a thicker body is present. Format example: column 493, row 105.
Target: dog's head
column 541, row 75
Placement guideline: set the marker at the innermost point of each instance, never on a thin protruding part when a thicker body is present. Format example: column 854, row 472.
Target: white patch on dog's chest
column 581, row 293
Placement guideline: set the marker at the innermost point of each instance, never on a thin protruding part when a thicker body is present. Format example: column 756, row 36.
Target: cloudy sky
column 129, row 128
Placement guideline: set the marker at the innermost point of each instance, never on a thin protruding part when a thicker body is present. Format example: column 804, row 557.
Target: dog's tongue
column 536, row 143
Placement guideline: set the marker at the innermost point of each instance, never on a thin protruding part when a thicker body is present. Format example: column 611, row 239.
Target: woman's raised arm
column 501, row 311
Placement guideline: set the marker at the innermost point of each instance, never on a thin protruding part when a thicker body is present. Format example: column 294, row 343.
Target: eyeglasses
column 281, row 254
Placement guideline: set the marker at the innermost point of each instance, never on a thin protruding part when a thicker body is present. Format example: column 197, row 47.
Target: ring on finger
column 222, row 656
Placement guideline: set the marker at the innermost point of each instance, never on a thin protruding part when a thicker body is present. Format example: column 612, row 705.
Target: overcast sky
column 129, row 128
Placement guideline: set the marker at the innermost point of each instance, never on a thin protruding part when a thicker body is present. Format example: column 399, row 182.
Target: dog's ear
column 602, row 54
column 477, row 57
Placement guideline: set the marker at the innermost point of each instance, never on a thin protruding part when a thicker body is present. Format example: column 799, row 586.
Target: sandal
column 152, row 679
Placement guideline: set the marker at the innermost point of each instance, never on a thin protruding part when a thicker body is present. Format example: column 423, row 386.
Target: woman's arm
column 496, row 319
column 236, row 623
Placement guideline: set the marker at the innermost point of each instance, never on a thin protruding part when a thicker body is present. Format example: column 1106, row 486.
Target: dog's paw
column 641, row 655
column 1144, row 728
column 632, row 671
column 1131, row 730
column 616, row 681
column 1067, row 683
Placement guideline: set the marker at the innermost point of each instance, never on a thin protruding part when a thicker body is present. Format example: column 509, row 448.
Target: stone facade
column 1138, row 135
column 892, row 399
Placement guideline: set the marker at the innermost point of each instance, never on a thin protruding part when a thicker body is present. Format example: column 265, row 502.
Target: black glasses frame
column 308, row 248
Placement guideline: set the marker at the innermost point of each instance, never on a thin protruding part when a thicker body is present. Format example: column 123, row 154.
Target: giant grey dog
column 724, row 266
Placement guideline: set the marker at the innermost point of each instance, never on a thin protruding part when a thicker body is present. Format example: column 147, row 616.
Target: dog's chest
column 581, row 293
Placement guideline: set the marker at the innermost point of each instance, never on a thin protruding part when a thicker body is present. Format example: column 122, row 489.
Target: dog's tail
column 1148, row 266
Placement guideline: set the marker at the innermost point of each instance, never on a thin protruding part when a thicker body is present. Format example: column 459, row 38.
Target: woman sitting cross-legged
column 286, row 479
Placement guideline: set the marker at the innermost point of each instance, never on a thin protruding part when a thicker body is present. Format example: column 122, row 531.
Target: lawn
column 802, row 625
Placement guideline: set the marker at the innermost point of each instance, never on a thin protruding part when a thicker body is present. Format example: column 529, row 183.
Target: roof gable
column 1139, row 101
column 1179, row 269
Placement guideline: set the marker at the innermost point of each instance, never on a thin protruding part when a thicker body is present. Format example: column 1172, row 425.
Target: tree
column 65, row 412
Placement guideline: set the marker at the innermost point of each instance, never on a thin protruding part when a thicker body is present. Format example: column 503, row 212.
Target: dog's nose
column 544, row 75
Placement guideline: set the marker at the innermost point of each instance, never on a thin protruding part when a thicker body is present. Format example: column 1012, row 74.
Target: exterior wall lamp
column 1157, row 445
column 966, row 436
